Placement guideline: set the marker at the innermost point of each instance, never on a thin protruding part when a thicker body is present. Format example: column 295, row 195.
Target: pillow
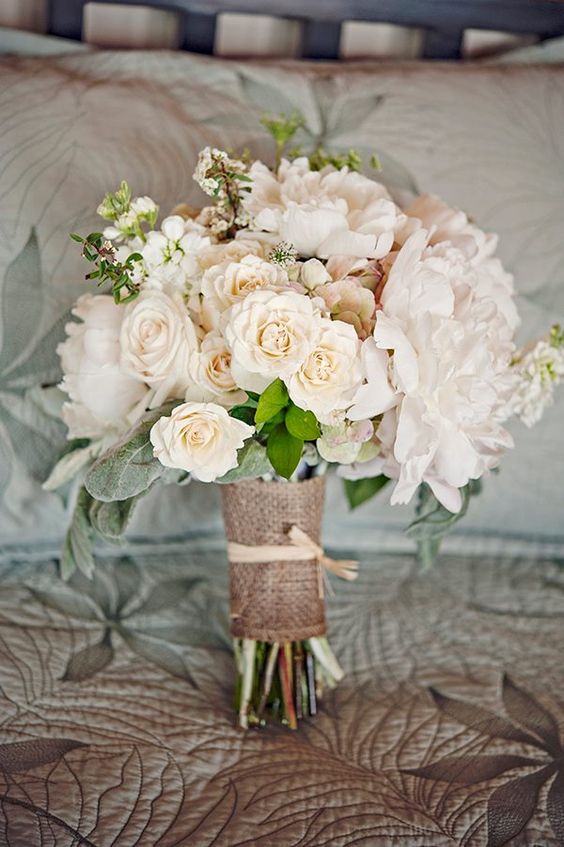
column 488, row 139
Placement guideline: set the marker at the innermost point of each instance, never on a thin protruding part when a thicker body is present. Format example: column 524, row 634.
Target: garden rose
column 158, row 343
column 270, row 335
column 330, row 373
column 102, row 396
column 212, row 375
column 225, row 284
column 199, row 438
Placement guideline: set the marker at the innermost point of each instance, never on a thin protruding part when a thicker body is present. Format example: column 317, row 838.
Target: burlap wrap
column 274, row 601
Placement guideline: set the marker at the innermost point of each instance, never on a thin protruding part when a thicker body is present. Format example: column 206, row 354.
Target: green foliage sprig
column 120, row 275
column 282, row 128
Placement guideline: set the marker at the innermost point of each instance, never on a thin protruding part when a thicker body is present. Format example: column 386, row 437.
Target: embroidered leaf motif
column 468, row 770
column 24, row 755
column 555, row 806
column 22, row 302
column 90, row 660
column 528, row 712
column 511, row 806
column 158, row 654
column 481, row 720
column 167, row 593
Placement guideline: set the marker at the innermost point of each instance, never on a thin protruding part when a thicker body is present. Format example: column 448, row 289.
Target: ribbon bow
column 302, row 548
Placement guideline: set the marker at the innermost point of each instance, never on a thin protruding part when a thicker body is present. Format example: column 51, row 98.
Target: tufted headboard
column 444, row 21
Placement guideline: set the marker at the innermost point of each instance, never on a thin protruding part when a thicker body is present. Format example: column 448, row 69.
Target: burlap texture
column 274, row 601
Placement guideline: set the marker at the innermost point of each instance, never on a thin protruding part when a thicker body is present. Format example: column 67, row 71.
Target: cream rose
column 102, row 397
column 331, row 372
column 225, row 284
column 212, row 375
column 199, row 438
column 158, row 343
column 270, row 335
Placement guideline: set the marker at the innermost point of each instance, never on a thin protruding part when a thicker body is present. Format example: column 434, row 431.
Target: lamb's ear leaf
column 110, row 520
column 68, row 466
column 433, row 521
column 129, row 468
column 252, row 462
column 77, row 547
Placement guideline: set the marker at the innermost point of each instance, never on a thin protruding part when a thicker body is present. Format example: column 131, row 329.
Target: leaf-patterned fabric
column 116, row 724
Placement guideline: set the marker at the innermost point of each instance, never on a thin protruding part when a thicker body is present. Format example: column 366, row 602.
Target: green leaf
column 433, row 521
column 68, row 466
column 272, row 400
column 302, row 424
column 77, row 547
column 243, row 413
column 358, row 491
column 252, row 463
column 284, row 451
column 130, row 467
column 110, row 520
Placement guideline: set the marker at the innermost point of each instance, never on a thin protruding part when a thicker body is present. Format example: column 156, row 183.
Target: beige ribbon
column 303, row 548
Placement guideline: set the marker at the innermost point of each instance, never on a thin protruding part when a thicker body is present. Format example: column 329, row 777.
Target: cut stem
column 248, row 661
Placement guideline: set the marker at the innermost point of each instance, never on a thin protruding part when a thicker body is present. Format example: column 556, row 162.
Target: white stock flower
column 330, row 374
column 225, row 284
column 158, row 343
column 536, row 372
column 270, row 335
column 199, row 438
column 102, row 397
column 171, row 254
column 323, row 213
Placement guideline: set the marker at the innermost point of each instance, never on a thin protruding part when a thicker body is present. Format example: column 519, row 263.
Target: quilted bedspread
column 447, row 729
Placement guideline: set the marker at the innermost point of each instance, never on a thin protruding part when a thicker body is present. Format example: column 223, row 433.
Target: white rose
column 212, row 375
column 270, row 335
column 231, row 251
column 199, row 438
column 225, row 284
column 158, row 343
column 102, row 395
column 331, row 372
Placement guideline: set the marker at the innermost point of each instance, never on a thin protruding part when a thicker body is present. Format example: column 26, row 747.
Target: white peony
column 199, row 438
column 225, row 284
column 324, row 212
column 444, row 389
column 159, row 343
column 270, row 335
column 102, row 397
column 330, row 374
column 449, row 225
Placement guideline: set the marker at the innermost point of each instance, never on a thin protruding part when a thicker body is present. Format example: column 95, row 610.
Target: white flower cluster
column 538, row 370
column 393, row 327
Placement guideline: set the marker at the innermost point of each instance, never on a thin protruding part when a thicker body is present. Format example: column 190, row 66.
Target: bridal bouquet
column 301, row 320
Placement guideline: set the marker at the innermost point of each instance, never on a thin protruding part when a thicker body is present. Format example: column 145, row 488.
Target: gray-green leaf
column 129, row 468
column 77, row 548
column 252, row 463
